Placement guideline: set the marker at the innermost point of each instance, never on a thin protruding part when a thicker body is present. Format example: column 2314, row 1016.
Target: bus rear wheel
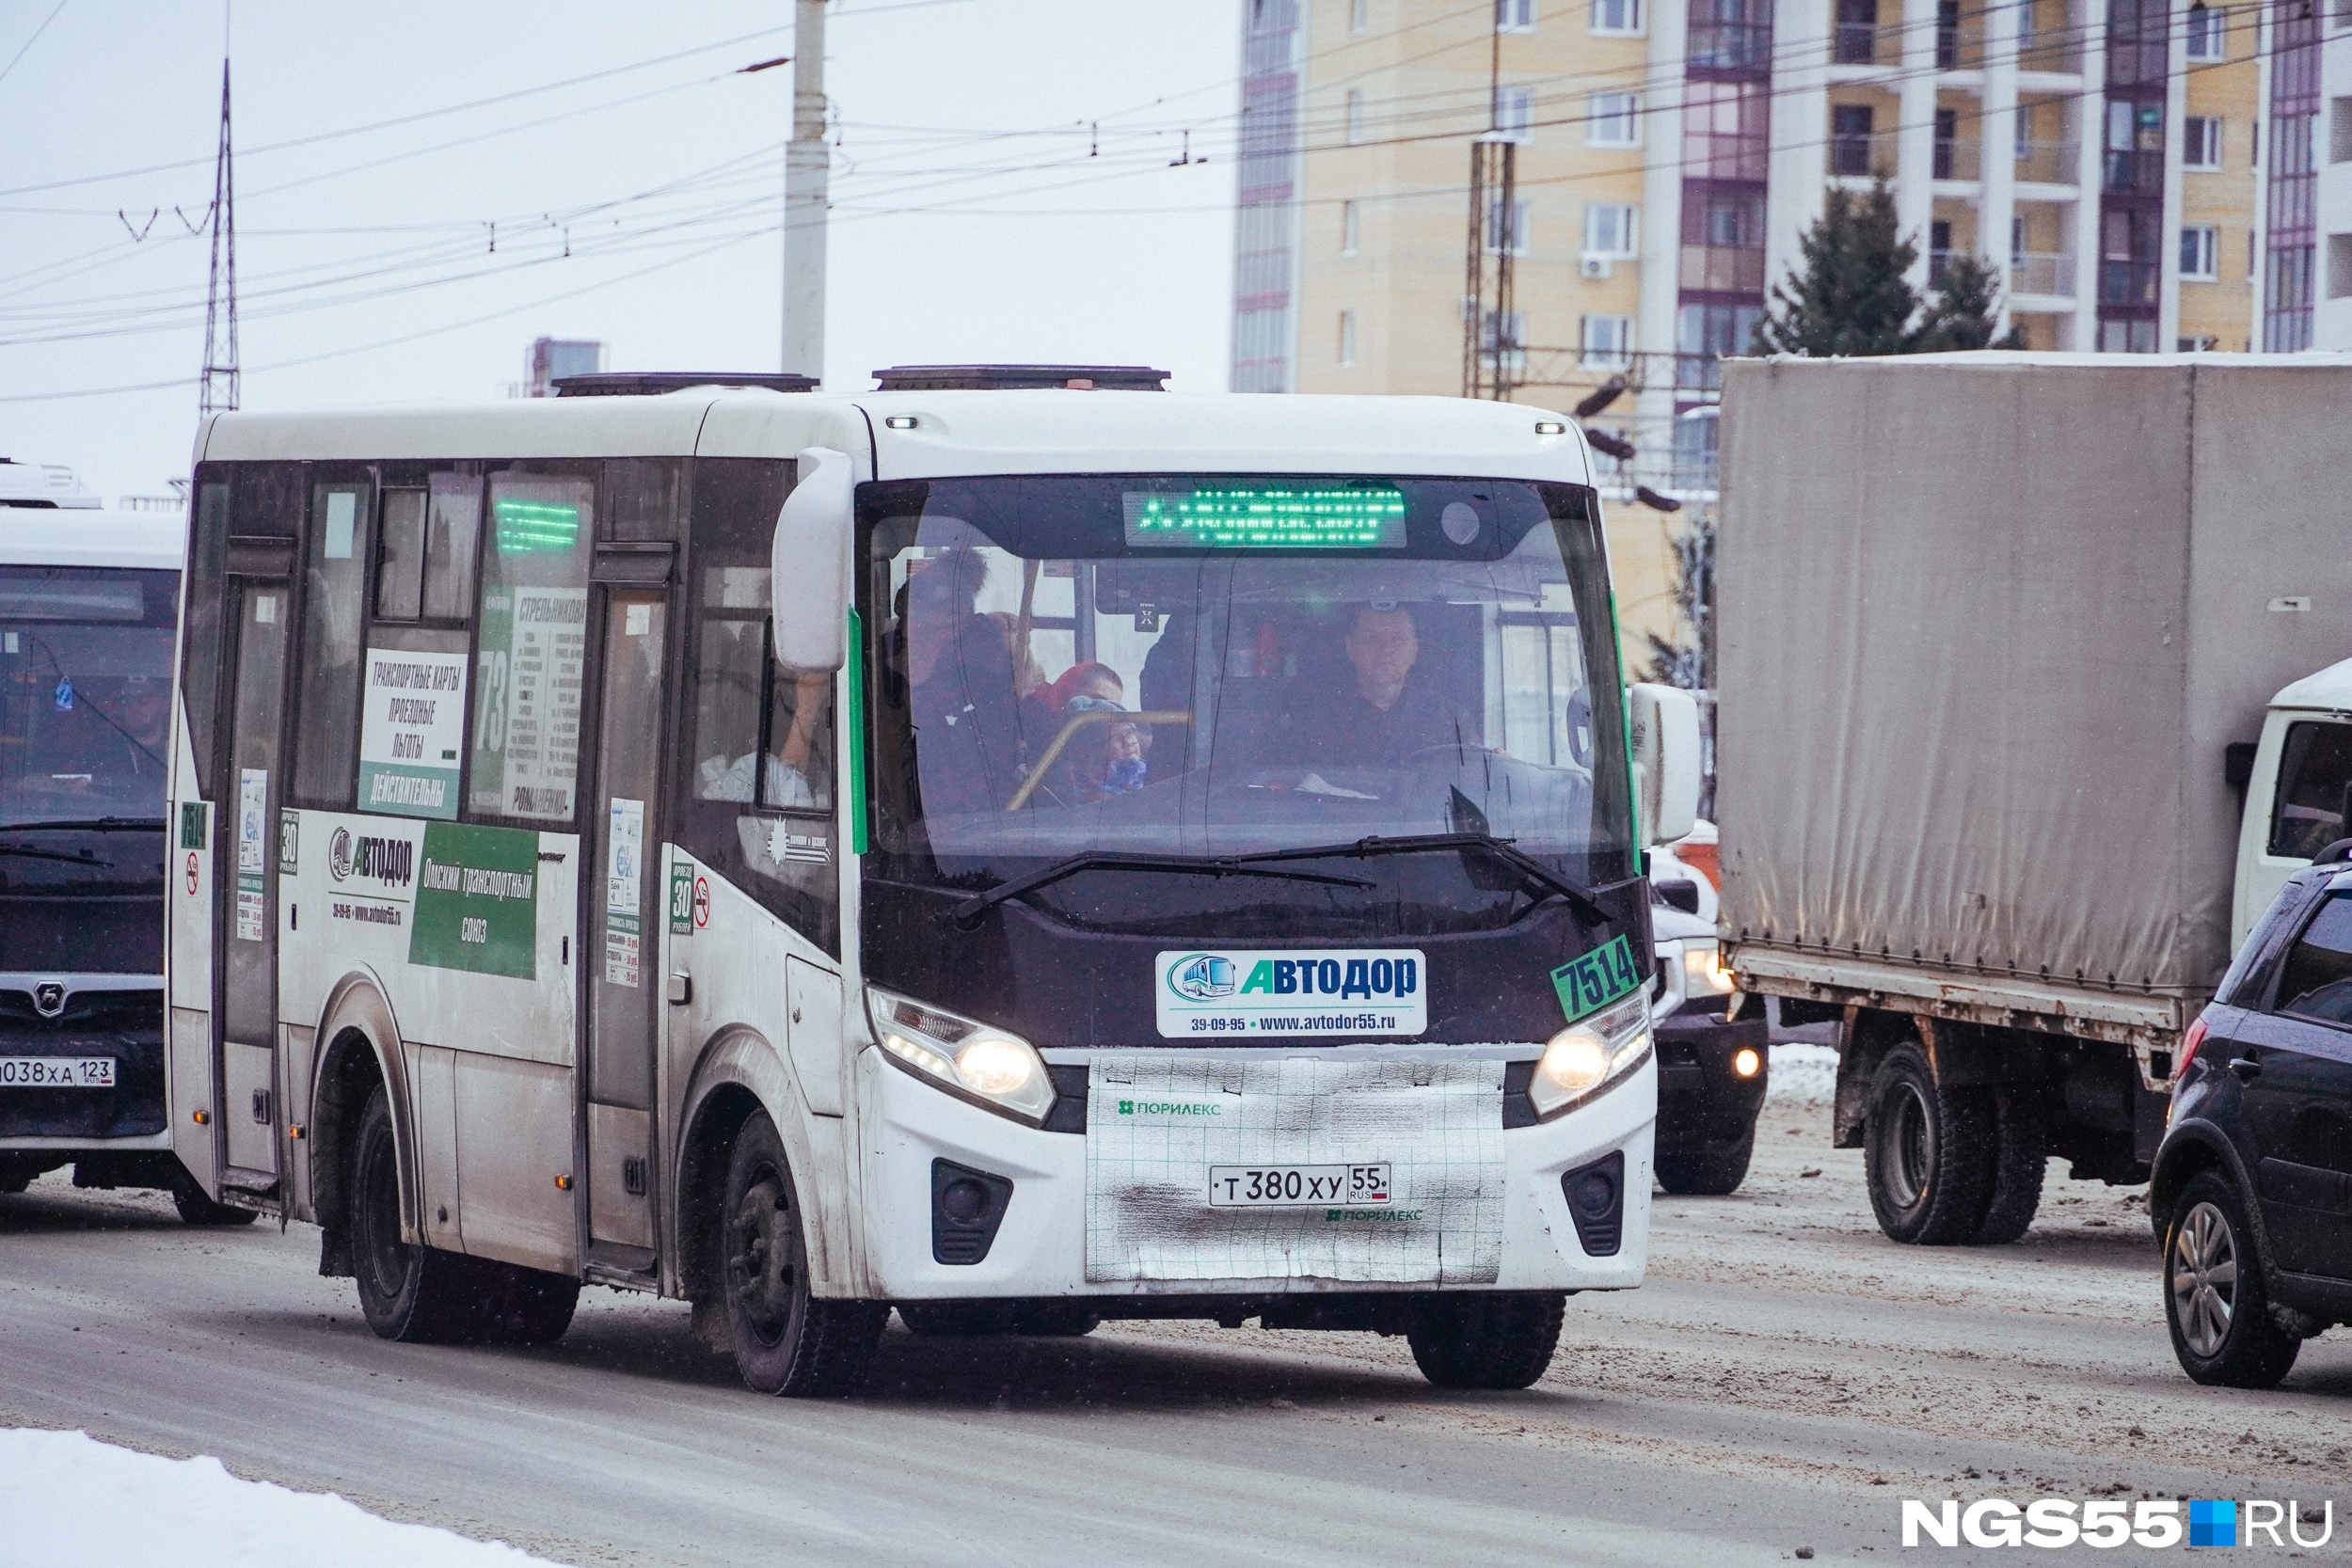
column 787, row 1340
column 1490, row 1340
column 419, row 1294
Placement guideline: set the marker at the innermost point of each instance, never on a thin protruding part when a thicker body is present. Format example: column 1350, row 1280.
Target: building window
column 1506, row 228
column 1615, row 119
column 1515, row 16
column 1347, row 340
column 2340, row 266
column 1617, row 16
column 1355, row 117
column 1608, row 343
column 1359, row 16
column 2200, row 248
column 1609, row 229
column 2206, row 30
column 1850, row 139
column 1515, row 112
column 2340, row 130
column 2201, row 342
column 1348, row 228
column 2201, row 143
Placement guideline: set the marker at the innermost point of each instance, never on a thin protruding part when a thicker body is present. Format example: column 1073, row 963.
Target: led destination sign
column 1266, row 517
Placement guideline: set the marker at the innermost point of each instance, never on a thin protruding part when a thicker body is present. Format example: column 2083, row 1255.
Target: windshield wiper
column 1503, row 849
column 32, row 854
column 89, row 824
column 1112, row 860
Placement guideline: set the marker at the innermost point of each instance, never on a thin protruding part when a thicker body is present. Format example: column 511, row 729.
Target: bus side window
column 452, row 531
column 208, row 563
column 327, row 725
column 399, row 558
column 759, row 752
column 532, row 648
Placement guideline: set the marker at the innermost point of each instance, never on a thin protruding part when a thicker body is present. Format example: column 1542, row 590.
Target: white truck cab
column 2296, row 790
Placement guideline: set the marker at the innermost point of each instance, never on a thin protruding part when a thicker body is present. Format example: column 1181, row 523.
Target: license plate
column 56, row 1072
column 1296, row 1186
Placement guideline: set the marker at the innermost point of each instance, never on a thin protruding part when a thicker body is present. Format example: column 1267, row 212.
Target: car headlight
column 1579, row 1060
column 973, row 1061
column 1703, row 971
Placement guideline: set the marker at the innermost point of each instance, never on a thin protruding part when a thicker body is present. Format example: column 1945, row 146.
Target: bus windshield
column 84, row 693
column 1200, row 666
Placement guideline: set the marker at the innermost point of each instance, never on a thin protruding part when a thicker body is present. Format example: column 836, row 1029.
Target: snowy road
column 1784, row 1378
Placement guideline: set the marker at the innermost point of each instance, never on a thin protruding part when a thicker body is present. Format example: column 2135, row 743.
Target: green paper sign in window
column 478, row 901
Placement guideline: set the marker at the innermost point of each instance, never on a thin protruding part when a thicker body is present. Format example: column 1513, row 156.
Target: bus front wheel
column 787, row 1340
column 1487, row 1340
column 420, row 1294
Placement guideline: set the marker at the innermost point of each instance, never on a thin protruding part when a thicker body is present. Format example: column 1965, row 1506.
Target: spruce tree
column 1851, row 297
column 1966, row 309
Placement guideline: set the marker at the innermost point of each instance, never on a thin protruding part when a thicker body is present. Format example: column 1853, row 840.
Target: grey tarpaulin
column 1988, row 622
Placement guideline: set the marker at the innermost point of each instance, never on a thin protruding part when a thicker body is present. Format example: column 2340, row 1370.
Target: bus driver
column 1391, row 708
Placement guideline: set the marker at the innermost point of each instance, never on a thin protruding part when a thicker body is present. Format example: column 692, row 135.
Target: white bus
column 1021, row 857
column 88, row 600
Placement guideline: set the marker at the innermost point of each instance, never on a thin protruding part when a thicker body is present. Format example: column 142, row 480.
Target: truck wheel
column 196, row 1209
column 2215, row 1302
column 1486, row 1341
column 1927, row 1152
column 2021, row 1155
column 1707, row 1172
column 787, row 1339
column 419, row 1294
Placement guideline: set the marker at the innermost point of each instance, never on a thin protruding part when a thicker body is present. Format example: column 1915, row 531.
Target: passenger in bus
column 1388, row 706
column 1101, row 757
column 961, row 692
column 786, row 782
column 103, row 739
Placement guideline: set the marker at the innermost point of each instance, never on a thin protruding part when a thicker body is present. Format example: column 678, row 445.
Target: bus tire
column 787, row 1339
column 196, row 1209
column 526, row 1307
column 2021, row 1156
column 1487, row 1340
column 417, row 1294
column 1706, row 1172
column 1927, row 1152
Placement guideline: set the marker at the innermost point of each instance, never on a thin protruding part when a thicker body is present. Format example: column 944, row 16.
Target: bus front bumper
column 920, row 1139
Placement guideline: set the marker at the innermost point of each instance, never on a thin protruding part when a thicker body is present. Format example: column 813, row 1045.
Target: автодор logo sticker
column 1295, row 992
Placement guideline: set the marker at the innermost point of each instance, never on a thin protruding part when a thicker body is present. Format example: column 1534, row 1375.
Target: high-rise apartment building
column 2104, row 157
column 2328, row 156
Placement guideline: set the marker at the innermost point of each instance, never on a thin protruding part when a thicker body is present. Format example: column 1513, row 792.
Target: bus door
column 247, row 1110
column 621, row 935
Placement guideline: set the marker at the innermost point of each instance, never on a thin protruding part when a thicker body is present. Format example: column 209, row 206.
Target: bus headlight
column 972, row 1061
column 1585, row 1056
column 1703, row 971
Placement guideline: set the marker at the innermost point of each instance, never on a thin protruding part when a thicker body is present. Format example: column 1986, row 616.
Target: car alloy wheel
column 2205, row 1279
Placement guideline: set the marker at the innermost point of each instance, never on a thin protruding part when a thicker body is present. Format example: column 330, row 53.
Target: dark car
column 1712, row 1068
column 2254, row 1183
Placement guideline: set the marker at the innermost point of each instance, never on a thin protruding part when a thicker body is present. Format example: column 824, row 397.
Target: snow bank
column 1801, row 1074
column 67, row 1499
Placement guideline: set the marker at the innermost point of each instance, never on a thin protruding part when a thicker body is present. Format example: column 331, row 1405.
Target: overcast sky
column 970, row 221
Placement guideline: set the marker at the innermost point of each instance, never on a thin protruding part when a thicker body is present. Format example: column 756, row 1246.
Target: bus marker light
column 203, row 1119
column 899, row 422
column 1550, row 427
column 563, row 1184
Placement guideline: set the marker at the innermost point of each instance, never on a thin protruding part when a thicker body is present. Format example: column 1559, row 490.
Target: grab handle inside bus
column 809, row 561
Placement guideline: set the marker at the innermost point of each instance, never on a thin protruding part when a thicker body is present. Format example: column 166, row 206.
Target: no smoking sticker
column 702, row 902
column 191, row 873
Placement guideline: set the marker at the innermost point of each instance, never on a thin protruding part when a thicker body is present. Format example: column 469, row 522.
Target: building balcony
column 1863, row 153
column 1730, row 45
column 2128, row 282
column 2049, row 163
column 2046, row 272
column 2059, row 53
column 1956, row 158
column 1723, row 269
column 1867, row 43
column 2133, row 173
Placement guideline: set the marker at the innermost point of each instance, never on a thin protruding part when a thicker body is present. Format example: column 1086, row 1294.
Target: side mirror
column 809, row 561
column 1665, row 762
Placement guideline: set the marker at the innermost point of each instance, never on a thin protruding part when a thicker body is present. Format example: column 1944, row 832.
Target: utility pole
column 1490, row 345
column 218, row 387
column 807, row 160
